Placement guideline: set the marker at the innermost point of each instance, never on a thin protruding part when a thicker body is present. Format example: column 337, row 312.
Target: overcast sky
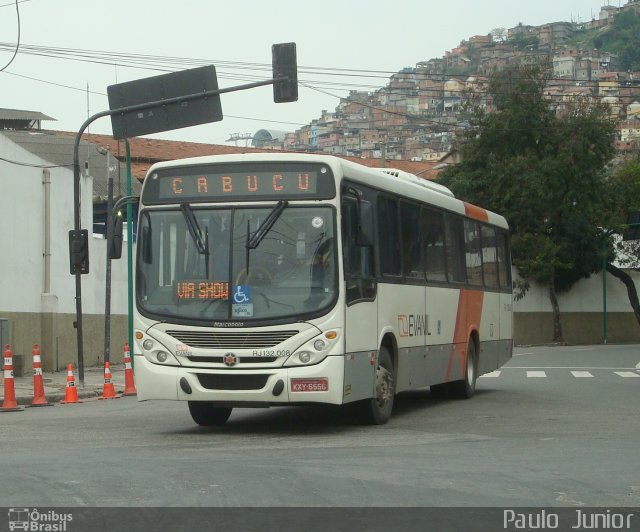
column 342, row 45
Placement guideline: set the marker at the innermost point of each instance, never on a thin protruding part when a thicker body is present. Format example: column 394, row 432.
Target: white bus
column 289, row 279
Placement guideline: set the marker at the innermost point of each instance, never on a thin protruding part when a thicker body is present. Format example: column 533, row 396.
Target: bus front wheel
column 207, row 415
column 377, row 410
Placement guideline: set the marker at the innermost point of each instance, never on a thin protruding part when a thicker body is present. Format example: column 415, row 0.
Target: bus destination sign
column 238, row 183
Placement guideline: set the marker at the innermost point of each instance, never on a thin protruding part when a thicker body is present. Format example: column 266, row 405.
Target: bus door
column 361, row 309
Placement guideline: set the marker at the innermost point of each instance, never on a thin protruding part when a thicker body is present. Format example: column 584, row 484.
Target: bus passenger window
column 433, row 234
column 504, row 264
column 389, row 236
column 454, row 235
column 473, row 252
column 411, row 241
column 489, row 257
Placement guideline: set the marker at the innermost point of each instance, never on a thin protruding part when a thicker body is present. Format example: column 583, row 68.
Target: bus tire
column 377, row 410
column 465, row 388
column 207, row 415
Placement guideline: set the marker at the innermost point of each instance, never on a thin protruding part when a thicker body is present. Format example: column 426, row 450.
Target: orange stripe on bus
column 467, row 320
column 475, row 212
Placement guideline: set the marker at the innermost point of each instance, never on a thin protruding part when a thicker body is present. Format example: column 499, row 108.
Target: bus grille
column 232, row 382
column 232, row 340
column 244, row 360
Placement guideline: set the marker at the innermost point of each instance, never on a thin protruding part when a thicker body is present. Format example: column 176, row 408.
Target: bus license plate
column 309, row 385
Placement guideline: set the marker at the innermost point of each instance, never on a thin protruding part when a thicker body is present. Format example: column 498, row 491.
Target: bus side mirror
column 115, row 246
column 365, row 230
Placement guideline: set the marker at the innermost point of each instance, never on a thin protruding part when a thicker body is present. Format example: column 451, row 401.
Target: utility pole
column 109, row 230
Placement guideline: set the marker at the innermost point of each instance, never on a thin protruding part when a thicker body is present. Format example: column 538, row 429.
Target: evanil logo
column 36, row 521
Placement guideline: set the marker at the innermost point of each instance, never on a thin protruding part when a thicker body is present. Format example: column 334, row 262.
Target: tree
column 543, row 171
column 624, row 196
column 623, row 38
column 499, row 34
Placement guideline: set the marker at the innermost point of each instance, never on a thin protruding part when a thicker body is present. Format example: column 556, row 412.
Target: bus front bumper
column 320, row 383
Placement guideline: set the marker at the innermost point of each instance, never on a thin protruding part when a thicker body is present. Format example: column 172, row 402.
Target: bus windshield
column 203, row 265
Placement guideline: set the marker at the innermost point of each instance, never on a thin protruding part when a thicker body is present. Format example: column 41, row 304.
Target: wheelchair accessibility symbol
column 241, row 294
column 242, row 300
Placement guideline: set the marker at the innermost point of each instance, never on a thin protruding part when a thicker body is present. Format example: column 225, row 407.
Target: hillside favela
column 420, row 113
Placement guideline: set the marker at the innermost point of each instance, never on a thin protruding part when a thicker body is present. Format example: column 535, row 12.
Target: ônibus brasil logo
column 31, row 519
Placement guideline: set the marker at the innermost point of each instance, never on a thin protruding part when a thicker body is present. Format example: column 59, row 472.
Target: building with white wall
column 37, row 290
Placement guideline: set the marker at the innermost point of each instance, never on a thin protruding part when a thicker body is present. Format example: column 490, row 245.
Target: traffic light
column 115, row 246
column 79, row 251
column 285, row 72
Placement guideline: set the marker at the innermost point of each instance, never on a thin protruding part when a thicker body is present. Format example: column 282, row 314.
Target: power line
column 169, row 63
column 31, row 165
column 12, row 3
column 15, row 52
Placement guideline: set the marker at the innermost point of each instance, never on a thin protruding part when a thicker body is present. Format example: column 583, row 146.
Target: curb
column 54, row 398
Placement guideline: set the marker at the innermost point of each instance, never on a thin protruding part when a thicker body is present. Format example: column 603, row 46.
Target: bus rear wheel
column 207, row 414
column 466, row 388
column 377, row 410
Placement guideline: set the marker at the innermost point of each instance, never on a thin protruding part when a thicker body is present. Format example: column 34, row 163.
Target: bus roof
column 388, row 179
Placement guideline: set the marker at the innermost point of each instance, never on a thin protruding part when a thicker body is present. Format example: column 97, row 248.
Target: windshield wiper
column 202, row 244
column 254, row 241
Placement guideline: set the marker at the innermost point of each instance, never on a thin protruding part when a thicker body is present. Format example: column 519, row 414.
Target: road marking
column 491, row 375
column 581, row 374
column 536, row 374
column 566, row 367
column 626, row 373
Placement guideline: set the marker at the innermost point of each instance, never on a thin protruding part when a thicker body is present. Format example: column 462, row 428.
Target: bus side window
column 489, row 257
column 454, row 234
column 411, row 229
column 434, row 250
column 504, row 264
column 389, row 252
column 473, row 252
column 358, row 259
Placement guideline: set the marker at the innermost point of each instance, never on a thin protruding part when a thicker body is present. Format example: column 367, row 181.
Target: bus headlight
column 154, row 351
column 305, row 358
column 160, row 356
column 148, row 344
column 313, row 351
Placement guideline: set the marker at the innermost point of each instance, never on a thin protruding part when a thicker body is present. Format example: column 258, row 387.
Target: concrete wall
column 582, row 315
column 39, row 301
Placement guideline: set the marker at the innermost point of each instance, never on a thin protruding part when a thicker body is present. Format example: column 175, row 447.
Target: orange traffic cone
column 9, row 403
column 71, row 392
column 38, row 382
column 108, row 390
column 129, row 385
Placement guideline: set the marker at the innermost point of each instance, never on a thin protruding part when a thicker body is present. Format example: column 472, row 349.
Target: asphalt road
column 542, row 432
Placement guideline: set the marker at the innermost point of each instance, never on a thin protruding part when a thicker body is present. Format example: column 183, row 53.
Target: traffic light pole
column 76, row 183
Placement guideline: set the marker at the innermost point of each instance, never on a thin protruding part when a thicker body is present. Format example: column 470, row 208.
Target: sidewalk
column 55, row 384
